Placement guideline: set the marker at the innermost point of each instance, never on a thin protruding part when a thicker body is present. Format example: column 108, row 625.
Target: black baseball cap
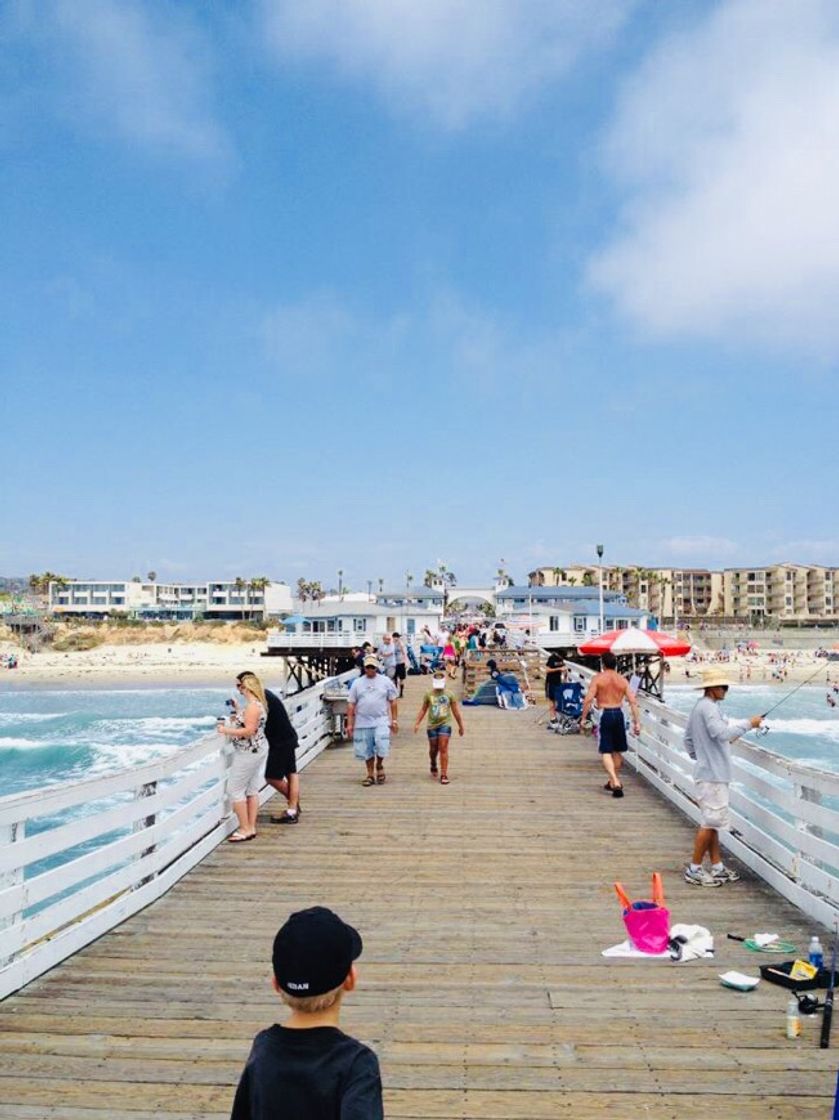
column 313, row 952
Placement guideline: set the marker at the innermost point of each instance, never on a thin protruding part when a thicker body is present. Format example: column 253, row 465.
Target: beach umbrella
column 634, row 640
column 294, row 620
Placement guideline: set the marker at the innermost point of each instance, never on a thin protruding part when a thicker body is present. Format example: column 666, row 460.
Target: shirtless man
column 609, row 689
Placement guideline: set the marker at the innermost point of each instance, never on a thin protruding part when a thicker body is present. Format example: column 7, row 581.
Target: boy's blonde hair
column 310, row 1004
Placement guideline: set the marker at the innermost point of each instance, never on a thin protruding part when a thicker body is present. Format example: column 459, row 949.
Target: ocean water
column 53, row 736
column 803, row 727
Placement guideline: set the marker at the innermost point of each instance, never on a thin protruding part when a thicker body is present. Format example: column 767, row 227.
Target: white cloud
column 453, row 59
column 139, row 71
column 809, row 551
column 727, row 143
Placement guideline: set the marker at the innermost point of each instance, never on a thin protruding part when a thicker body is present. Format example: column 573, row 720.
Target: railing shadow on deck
column 78, row 858
column 785, row 814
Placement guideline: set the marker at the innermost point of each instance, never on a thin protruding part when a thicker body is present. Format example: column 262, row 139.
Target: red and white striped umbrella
column 635, row 641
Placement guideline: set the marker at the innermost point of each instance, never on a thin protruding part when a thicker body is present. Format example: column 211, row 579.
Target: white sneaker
column 726, row 875
column 701, row 877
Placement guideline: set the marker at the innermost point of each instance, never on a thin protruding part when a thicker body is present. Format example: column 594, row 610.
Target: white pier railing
column 78, row 858
column 785, row 814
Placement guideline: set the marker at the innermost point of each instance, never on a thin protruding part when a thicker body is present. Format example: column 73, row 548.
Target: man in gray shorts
column 708, row 738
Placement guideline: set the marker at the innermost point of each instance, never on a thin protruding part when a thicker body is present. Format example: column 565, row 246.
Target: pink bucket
column 647, row 923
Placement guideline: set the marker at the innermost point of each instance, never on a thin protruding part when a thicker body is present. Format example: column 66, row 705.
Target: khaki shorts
column 713, row 804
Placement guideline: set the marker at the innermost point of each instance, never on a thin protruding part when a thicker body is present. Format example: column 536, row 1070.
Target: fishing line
column 783, row 700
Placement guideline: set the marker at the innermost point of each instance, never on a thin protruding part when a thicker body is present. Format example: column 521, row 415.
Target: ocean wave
column 12, row 742
column 9, row 719
column 822, row 728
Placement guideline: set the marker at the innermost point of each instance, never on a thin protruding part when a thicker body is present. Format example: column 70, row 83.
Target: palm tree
column 302, row 590
column 588, row 578
column 257, row 585
column 429, row 578
column 151, row 576
column 558, row 575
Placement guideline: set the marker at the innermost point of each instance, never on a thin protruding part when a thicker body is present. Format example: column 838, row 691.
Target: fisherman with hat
column 708, row 738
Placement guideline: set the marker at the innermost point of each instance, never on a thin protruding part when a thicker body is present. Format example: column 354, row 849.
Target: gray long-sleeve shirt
column 707, row 738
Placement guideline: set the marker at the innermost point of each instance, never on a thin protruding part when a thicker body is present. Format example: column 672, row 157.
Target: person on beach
column 708, row 738
column 246, row 728
column 609, row 690
column 442, row 707
column 401, row 655
column 281, row 764
column 371, row 717
column 308, row 1067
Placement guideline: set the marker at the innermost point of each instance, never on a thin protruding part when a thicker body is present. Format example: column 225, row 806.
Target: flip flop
column 368, row 781
column 381, row 778
column 238, row 837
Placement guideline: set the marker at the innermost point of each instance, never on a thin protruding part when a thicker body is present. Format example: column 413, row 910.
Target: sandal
column 369, row 781
column 444, row 780
column 381, row 778
column 239, row 837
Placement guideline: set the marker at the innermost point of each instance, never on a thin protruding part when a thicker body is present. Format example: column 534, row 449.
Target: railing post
column 147, row 790
column 10, row 834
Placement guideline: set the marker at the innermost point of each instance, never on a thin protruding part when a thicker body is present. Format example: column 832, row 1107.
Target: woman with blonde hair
column 250, row 751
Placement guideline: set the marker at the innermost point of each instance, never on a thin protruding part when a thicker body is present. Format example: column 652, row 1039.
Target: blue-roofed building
column 565, row 616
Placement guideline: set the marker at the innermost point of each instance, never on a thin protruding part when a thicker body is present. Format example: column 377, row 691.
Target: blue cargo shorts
column 369, row 742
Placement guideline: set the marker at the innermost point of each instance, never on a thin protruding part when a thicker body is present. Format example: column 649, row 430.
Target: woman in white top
column 250, row 751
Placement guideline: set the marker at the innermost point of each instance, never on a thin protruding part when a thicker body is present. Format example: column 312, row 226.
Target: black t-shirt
column 552, row 680
column 316, row 1074
column 279, row 730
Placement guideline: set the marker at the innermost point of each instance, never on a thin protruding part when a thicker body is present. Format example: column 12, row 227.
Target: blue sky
column 367, row 285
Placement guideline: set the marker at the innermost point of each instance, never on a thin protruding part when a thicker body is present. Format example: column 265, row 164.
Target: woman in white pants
column 250, row 751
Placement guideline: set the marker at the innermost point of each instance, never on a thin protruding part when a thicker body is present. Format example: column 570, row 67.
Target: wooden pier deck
column 483, row 906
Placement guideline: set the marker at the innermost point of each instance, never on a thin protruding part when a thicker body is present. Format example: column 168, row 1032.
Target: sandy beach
column 158, row 664
column 142, row 665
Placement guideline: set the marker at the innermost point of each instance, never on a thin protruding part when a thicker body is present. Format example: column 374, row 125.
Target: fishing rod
column 827, row 1018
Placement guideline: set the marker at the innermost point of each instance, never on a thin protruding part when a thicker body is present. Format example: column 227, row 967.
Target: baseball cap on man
column 313, row 952
column 371, row 661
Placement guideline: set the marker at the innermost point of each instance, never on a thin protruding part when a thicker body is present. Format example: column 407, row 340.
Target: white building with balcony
column 226, row 600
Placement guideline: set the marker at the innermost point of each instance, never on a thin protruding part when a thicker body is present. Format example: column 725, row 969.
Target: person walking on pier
column 247, row 769
column 442, row 708
column 308, row 1067
column 371, row 717
column 708, row 738
column 401, row 655
column 387, row 656
column 609, row 690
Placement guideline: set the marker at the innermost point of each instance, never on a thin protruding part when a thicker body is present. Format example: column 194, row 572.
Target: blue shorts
column 434, row 733
column 612, row 732
column 370, row 742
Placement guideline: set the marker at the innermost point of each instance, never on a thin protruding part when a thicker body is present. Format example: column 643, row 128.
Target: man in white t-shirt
column 371, row 717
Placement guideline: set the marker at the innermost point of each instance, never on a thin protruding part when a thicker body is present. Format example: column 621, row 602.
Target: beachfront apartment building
column 689, row 592
column 791, row 593
column 224, row 600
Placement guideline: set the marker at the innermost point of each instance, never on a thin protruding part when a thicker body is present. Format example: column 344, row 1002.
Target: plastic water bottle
column 816, row 953
column 793, row 1018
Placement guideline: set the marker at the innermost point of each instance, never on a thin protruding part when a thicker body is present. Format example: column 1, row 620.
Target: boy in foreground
column 309, row 1068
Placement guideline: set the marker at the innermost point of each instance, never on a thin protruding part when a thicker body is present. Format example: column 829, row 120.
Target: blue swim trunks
column 612, row 732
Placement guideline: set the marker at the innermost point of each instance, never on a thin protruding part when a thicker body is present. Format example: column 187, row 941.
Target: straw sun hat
column 714, row 678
